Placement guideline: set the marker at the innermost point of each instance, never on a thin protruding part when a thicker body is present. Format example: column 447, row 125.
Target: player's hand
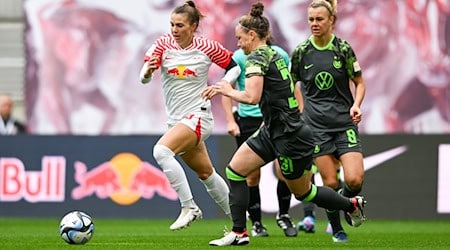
column 152, row 64
column 209, row 92
column 222, row 87
column 356, row 114
column 233, row 129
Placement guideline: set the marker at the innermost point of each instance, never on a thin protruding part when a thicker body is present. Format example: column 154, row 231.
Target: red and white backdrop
column 83, row 59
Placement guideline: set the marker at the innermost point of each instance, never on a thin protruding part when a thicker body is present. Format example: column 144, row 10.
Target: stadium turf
column 154, row 234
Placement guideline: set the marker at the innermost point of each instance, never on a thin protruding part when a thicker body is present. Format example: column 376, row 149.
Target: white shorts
column 202, row 123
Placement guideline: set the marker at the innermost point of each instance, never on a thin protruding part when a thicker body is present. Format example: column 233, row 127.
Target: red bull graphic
column 124, row 179
column 102, row 180
column 181, row 72
column 187, row 72
column 173, row 72
column 34, row 186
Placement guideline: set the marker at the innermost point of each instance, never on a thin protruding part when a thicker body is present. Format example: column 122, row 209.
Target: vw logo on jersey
column 324, row 80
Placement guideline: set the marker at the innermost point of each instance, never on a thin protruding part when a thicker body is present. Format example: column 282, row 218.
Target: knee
column 204, row 175
column 253, row 178
column 331, row 182
column 161, row 152
column 354, row 183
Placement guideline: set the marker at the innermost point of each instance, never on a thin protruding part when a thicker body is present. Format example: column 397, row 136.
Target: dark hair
column 194, row 15
column 255, row 21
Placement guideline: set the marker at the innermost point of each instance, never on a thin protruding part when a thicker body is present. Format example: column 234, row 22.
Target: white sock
column 218, row 189
column 175, row 173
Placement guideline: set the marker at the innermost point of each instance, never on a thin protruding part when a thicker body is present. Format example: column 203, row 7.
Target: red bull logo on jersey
column 124, row 179
column 181, row 72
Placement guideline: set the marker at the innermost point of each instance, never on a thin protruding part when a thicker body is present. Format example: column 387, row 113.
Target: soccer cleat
column 186, row 217
column 340, row 237
column 356, row 217
column 258, row 230
column 307, row 225
column 231, row 239
column 329, row 229
column 285, row 223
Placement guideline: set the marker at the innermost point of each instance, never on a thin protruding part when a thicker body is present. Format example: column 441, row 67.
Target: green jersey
column 325, row 73
column 278, row 103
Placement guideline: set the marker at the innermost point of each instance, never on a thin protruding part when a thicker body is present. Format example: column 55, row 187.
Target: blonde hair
column 330, row 5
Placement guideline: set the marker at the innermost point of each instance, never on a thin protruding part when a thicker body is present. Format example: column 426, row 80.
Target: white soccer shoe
column 231, row 239
column 186, row 217
column 356, row 217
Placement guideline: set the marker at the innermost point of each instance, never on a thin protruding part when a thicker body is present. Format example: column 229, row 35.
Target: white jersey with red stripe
column 184, row 72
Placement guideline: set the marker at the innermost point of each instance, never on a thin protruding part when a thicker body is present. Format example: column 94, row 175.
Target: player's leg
column 199, row 161
column 284, row 202
column 247, row 127
column 327, row 168
column 353, row 168
column 177, row 139
column 254, row 205
column 244, row 161
column 349, row 151
column 308, row 224
column 324, row 196
column 297, row 172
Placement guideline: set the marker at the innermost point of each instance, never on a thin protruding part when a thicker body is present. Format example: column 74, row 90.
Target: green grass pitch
column 155, row 234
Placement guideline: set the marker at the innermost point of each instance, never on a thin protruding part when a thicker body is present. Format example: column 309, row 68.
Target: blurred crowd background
column 72, row 66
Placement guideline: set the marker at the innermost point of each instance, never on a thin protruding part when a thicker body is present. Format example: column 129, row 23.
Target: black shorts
column 337, row 143
column 247, row 127
column 293, row 151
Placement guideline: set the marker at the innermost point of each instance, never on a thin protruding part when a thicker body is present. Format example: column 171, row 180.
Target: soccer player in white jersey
column 184, row 59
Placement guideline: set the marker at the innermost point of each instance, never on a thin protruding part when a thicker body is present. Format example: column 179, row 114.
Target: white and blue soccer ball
column 76, row 227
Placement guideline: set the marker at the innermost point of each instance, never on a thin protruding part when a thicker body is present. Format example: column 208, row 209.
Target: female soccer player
column 242, row 124
column 325, row 64
column 284, row 135
column 184, row 59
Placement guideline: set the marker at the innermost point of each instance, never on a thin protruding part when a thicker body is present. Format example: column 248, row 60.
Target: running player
column 284, row 135
column 184, row 60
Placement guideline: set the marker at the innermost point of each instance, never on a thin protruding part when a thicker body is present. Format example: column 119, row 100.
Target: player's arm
column 232, row 72
column 252, row 92
column 360, row 91
column 232, row 126
column 150, row 65
column 227, row 102
column 298, row 96
column 152, row 60
column 250, row 95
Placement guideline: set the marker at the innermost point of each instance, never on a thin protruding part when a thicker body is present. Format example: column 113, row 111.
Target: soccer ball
column 76, row 227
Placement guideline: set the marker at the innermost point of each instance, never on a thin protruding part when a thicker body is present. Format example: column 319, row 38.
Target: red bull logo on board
column 124, row 179
column 47, row 185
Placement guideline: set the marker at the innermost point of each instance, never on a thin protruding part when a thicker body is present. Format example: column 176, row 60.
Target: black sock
column 347, row 192
column 308, row 209
column 239, row 197
column 327, row 198
column 254, row 205
column 334, row 218
column 284, row 197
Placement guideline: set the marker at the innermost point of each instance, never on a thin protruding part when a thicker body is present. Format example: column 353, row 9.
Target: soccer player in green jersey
column 283, row 136
column 241, row 124
column 325, row 65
